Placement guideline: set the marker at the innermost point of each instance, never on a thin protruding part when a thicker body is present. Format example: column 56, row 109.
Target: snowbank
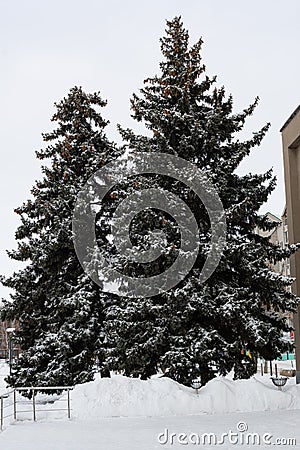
column 129, row 397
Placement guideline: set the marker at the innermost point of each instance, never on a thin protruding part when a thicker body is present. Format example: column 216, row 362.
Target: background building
column 279, row 236
column 4, row 338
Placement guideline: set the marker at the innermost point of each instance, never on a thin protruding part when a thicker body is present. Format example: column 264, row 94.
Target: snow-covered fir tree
column 59, row 308
column 194, row 328
column 200, row 328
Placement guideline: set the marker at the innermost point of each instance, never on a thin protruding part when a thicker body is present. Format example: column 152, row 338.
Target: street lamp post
column 9, row 332
column 196, row 384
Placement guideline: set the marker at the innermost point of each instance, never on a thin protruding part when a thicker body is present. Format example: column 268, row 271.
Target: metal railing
column 2, row 407
column 9, row 400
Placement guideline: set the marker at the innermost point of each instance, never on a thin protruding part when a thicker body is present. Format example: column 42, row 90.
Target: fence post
column 33, row 404
column 15, row 405
column 1, row 414
column 69, row 405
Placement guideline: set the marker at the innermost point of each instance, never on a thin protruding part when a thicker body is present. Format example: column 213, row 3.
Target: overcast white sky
column 47, row 47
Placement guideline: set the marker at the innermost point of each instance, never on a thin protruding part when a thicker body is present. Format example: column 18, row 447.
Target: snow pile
column 131, row 397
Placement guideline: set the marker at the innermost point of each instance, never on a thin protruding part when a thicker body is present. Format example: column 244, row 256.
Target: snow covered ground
column 142, row 433
column 130, row 414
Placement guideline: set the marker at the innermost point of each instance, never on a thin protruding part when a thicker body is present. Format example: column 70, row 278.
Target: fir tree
column 59, row 308
column 202, row 328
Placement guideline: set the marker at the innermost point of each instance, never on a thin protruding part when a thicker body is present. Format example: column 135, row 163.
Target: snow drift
column 131, row 397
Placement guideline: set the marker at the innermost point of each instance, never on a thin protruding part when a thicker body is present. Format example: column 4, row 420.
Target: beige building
column 291, row 158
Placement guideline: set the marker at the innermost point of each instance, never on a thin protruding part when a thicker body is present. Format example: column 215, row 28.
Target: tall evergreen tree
column 59, row 308
column 202, row 328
